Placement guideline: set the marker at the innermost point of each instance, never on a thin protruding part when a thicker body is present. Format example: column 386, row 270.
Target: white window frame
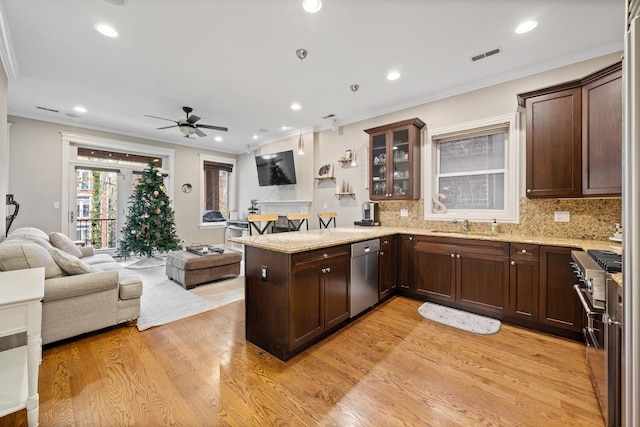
column 232, row 188
column 511, row 211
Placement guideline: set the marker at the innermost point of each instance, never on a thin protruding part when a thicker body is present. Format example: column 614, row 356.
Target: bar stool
column 270, row 220
column 302, row 217
column 329, row 216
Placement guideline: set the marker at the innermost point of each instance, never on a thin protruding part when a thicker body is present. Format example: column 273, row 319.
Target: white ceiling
column 234, row 61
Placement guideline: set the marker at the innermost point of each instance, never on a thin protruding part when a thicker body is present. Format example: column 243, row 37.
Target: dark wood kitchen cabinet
column 559, row 304
column 299, row 299
column 554, row 144
column 602, row 133
column 394, row 160
column 524, row 281
column 574, row 137
column 466, row 272
column 404, row 263
column 387, row 267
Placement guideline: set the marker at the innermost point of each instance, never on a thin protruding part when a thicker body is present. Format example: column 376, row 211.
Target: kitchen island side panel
column 267, row 301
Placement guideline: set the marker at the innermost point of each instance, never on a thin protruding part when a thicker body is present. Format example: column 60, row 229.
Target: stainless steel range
column 601, row 298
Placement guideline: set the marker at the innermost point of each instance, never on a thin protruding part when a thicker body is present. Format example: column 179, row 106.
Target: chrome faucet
column 464, row 224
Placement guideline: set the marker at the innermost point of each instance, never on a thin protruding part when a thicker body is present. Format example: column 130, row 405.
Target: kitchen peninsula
column 297, row 283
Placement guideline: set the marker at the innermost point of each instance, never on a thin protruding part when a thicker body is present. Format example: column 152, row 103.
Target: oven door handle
column 584, row 302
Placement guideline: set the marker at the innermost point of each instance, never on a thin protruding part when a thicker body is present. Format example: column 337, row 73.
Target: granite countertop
column 306, row 240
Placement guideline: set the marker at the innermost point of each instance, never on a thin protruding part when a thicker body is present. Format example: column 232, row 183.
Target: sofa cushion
column 62, row 241
column 20, row 256
column 36, row 232
column 29, row 238
column 69, row 263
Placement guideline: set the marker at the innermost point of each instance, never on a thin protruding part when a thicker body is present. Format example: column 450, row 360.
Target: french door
column 98, row 201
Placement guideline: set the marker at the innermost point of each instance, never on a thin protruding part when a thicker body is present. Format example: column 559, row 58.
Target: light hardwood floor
column 391, row 367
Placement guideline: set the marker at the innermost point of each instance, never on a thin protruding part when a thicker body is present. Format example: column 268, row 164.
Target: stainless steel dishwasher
column 364, row 275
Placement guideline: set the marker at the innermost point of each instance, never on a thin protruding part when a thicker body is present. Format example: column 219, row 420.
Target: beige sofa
column 83, row 291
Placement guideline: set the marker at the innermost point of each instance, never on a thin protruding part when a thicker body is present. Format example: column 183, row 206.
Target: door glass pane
column 379, row 165
column 96, row 207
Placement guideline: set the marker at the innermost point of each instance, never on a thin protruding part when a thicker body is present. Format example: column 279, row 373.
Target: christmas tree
column 150, row 223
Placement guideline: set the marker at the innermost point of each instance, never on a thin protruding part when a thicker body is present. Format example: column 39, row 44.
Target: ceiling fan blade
column 161, row 118
column 213, row 127
column 200, row 133
column 193, row 119
column 167, row 127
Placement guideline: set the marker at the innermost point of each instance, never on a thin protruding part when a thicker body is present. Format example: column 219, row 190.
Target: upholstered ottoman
column 190, row 270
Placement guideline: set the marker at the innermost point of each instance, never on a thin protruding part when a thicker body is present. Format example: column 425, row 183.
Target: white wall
column 35, row 177
column 248, row 187
column 4, row 150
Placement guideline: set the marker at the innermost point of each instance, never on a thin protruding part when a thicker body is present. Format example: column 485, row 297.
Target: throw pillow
column 69, row 263
column 62, row 241
column 21, row 255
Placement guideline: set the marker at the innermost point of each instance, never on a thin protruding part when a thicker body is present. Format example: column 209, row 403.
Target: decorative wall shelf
column 344, row 161
column 341, row 195
column 320, row 179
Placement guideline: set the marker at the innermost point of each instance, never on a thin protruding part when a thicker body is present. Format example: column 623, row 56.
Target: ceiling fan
column 188, row 126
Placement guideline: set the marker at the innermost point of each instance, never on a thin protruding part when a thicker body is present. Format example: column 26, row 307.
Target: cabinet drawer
column 525, row 251
column 486, row 247
column 320, row 258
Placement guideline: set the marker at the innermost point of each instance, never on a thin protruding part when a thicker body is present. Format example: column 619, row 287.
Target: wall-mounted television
column 276, row 169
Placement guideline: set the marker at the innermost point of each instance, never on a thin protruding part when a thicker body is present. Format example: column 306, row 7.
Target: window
column 218, row 183
column 472, row 171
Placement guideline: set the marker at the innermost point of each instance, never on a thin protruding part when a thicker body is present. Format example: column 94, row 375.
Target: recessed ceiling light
column 106, row 30
column 526, row 26
column 285, row 127
column 218, row 138
column 393, row 75
column 80, row 109
column 255, row 136
column 312, row 6
column 295, row 106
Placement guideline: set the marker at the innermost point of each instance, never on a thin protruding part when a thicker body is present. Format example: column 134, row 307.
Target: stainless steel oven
column 601, row 298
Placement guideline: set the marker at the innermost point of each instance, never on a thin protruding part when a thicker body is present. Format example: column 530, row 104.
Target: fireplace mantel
column 283, row 207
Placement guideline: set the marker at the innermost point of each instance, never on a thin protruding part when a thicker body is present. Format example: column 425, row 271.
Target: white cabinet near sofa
column 21, row 292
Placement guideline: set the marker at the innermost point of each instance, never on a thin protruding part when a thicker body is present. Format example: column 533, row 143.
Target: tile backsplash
column 591, row 219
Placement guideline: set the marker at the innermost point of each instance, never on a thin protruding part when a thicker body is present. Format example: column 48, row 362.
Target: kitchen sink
column 465, row 233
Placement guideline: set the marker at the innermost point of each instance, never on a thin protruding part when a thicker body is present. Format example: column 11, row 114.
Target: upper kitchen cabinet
column 574, row 137
column 394, row 160
column 602, row 133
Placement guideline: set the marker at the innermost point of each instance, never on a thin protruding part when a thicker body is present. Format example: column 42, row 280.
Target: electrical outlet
column 56, row 205
column 404, row 212
column 324, row 206
column 561, row 216
column 263, row 273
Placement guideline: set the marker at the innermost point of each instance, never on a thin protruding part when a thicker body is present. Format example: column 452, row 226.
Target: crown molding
column 6, row 49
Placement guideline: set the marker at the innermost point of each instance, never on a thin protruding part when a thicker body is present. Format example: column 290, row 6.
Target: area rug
column 164, row 301
column 459, row 319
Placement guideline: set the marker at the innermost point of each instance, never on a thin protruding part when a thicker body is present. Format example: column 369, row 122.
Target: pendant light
column 354, row 162
column 301, row 54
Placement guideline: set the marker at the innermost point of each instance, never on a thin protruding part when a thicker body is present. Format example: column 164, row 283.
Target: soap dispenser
column 494, row 227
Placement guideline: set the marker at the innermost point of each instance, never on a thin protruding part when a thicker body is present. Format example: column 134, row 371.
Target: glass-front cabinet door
column 395, row 160
column 378, row 167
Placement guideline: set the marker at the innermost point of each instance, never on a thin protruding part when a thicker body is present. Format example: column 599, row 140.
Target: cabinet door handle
column 325, row 256
column 328, row 269
column 410, row 237
column 528, row 190
column 452, row 255
column 513, row 263
column 458, row 256
column 381, row 252
column 524, row 251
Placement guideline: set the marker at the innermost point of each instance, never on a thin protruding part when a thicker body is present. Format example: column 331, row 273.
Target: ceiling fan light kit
column 188, row 126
